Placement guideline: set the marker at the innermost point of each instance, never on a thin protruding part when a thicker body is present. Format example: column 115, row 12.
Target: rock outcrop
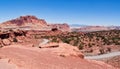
column 25, row 23
column 32, row 23
column 23, row 20
column 63, row 27
column 6, row 42
column 10, row 37
column 63, row 49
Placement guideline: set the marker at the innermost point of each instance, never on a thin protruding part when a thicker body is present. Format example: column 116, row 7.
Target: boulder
column 6, row 42
column 50, row 45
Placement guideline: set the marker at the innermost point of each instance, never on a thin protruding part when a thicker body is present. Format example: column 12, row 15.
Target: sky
column 85, row 12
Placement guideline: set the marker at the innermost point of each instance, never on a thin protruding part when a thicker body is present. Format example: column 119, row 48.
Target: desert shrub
column 90, row 45
column 15, row 40
column 93, row 44
column 46, row 37
column 62, row 55
column 80, row 47
column 91, row 50
column 66, row 40
column 97, row 39
column 35, row 36
column 101, row 51
column 109, row 49
column 10, row 30
column 76, row 42
column 54, row 39
column 117, row 43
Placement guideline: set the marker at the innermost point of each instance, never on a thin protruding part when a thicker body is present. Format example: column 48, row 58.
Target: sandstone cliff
column 22, row 20
column 25, row 23
column 32, row 23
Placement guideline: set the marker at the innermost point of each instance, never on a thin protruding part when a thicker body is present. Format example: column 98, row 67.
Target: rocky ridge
column 32, row 23
column 22, row 20
column 63, row 27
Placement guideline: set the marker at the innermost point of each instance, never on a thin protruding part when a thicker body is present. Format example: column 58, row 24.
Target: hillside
column 91, row 41
column 25, row 23
column 22, row 20
column 114, row 61
column 31, row 43
column 21, row 50
column 30, row 22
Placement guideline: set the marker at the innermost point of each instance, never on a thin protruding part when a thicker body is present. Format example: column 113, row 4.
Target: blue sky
column 87, row 12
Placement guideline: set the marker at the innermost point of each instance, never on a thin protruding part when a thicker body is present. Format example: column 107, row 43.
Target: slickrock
column 5, row 64
column 30, row 22
column 63, row 49
column 47, row 58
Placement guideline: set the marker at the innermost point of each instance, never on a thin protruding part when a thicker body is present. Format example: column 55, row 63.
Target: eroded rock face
column 63, row 27
column 22, row 20
column 32, row 23
column 12, row 36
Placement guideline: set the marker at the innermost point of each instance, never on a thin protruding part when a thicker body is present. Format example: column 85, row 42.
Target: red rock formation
column 64, row 50
column 32, row 23
column 22, row 20
column 25, row 23
column 63, row 27
column 6, row 42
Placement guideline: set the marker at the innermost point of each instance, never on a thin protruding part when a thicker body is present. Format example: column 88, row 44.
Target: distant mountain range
column 88, row 28
column 77, row 25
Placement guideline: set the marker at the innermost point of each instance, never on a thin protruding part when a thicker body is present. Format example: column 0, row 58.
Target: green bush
column 54, row 39
column 15, row 40
column 80, row 47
